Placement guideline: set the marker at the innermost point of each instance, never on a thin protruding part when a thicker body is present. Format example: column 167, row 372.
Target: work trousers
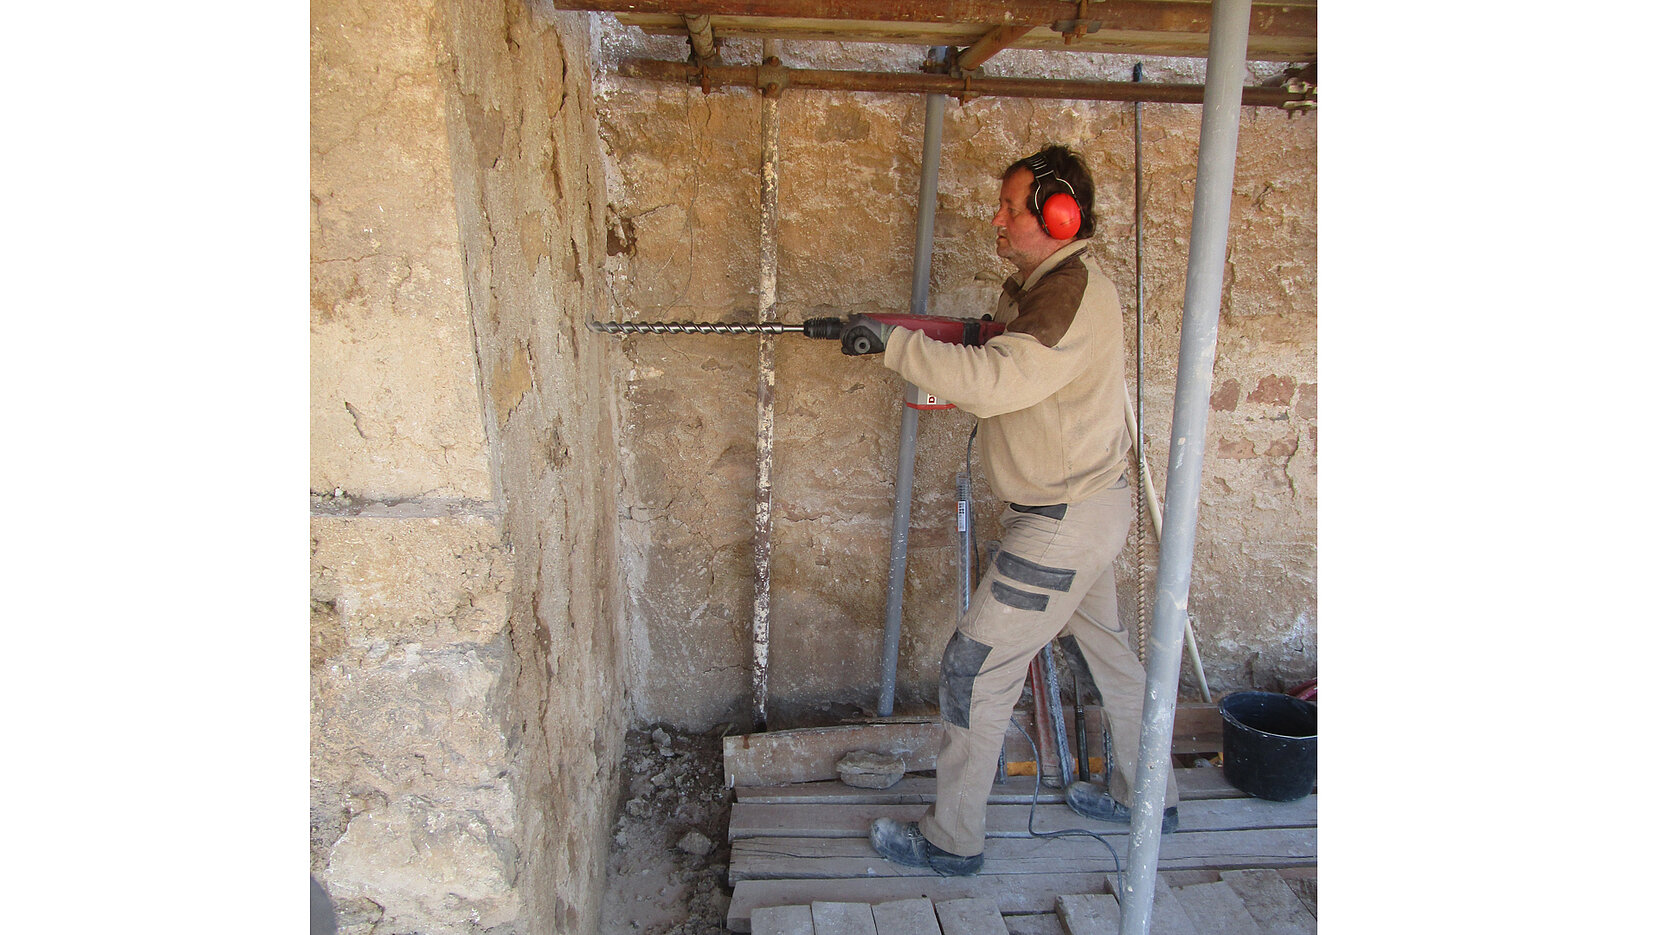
column 1053, row 576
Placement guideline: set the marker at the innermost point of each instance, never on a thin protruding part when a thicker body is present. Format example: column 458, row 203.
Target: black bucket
column 1269, row 745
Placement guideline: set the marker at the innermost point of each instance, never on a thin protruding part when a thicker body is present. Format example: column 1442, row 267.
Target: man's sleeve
column 1009, row 373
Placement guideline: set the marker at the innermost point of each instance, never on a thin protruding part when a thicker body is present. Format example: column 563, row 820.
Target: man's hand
column 865, row 335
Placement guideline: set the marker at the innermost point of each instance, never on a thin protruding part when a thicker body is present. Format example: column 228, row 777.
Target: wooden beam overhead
column 1284, row 32
column 990, row 45
column 1280, row 31
column 1183, row 44
column 963, row 88
column 1174, row 13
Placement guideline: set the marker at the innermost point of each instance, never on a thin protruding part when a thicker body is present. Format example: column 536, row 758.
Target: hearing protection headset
column 1056, row 209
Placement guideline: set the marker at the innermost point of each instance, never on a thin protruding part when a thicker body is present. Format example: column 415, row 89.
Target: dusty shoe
column 1093, row 801
column 904, row 844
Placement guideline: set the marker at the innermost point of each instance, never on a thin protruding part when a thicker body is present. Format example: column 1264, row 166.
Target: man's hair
column 1069, row 167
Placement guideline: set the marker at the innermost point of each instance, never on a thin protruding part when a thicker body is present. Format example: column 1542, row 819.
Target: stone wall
column 684, row 244
column 532, row 207
column 467, row 704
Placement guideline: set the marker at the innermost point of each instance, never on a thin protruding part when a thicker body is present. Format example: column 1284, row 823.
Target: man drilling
column 1050, row 394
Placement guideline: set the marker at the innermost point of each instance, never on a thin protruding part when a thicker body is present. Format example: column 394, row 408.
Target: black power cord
column 1033, row 808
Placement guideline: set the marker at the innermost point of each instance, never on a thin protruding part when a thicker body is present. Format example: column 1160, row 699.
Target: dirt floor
column 667, row 874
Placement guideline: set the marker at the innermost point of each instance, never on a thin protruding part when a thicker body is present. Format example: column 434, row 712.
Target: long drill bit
column 689, row 327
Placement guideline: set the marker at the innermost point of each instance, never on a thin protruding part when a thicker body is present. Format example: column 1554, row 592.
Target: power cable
column 1033, row 808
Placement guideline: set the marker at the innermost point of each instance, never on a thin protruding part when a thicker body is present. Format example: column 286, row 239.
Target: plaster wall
column 684, row 244
column 467, row 705
column 530, row 196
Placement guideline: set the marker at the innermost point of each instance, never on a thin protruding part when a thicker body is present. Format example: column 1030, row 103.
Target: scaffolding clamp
column 772, row 78
column 1072, row 29
column 1304, row 104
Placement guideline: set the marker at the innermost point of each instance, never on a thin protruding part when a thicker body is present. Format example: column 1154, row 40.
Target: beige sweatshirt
column 1050, row 390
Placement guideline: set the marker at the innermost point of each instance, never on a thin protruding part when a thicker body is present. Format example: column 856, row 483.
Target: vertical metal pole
column 1203, row 293
column 934, row 110
column 767, row 294
column 1137, row 433
column 923, row 246
column 966, row 542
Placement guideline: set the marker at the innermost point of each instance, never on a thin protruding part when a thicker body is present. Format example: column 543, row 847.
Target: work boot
column 904, row 844
column 1093, row 801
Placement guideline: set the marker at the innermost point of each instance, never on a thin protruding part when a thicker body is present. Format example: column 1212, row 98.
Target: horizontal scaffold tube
column 1295, row 18
column 760, row 77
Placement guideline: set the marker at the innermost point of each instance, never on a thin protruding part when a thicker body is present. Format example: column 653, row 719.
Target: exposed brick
column 1273, row 391
column 1282, row 447
column 1237, row 449
column 1226, row 396
column 1306, row 408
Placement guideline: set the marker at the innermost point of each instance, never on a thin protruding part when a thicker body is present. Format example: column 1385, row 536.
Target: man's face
column 1020, row 240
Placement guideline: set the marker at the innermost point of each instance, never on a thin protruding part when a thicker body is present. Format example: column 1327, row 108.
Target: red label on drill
column 926, row 401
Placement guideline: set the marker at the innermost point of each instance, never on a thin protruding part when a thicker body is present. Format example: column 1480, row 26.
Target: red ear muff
column 1058, row 213
column 1060, row 217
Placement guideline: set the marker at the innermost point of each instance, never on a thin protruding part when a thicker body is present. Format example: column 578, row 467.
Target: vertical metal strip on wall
column 766, row 311
column 1203, row 295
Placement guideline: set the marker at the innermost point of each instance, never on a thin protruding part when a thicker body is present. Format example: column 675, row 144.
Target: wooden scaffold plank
column 833, row 858
column 1089, row 914
column 788, row 756
column 811, row 754
column 842, row 918
column 906, row 917
column 1169, row 917
column 750, row 819
column 782, row 920
column 1193, row 785
column 1215, row 909
column 1273, row 905
column 1039, row 923
column 1014, row 894
column 975, row 915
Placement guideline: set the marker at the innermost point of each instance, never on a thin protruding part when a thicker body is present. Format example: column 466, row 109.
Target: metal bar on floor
column 1203, row 294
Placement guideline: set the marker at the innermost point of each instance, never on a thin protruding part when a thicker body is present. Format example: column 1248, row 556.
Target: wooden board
column 1271, row 902
column 974, row 915
column 906, row 917
column 1192, row 785
column 1043, row 923
column 1169, row 917
column 782, row 920
column 1215, row 909
column 1302, row 881
column 832, row 858
column 1095, row 914
column 811, row 754
column 1278, row 44
column 1016, row 894
column 751, row 819
column 843, row 919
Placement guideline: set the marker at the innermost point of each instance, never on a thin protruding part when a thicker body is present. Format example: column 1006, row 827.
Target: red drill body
column 971, row 331
column 859, row 338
